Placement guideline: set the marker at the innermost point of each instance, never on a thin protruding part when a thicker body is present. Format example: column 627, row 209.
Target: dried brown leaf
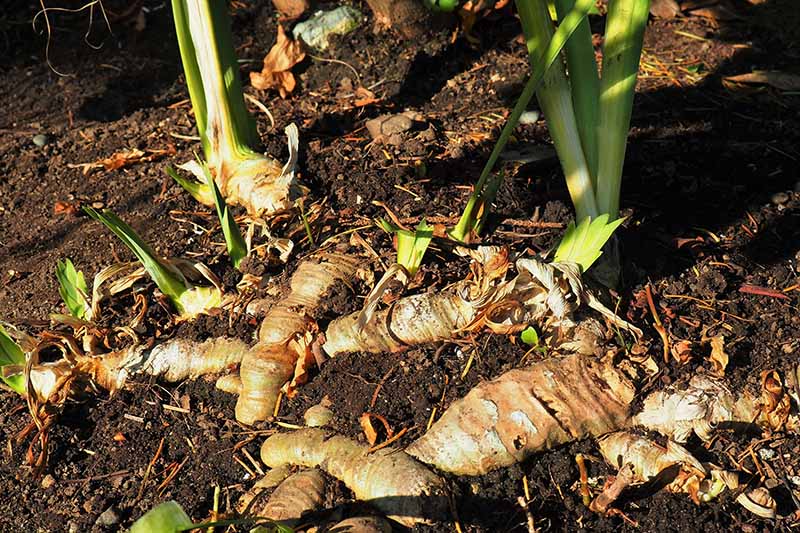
column 719, row 358
column 120, row 160
column 775, row 403
column 682, row 351
column 369, row 431
column 305, row 360
column 276, row 72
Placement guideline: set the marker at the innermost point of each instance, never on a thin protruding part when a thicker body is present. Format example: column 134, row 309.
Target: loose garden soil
column 711, row 192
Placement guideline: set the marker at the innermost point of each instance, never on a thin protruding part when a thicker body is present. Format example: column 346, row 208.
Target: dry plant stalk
column 283, row 349
column 503, row 421
column 389, row 479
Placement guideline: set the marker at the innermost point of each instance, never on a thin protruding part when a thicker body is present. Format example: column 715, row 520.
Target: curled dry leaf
column 277, row 70
column 365, row 421
column 707, row 403
column 719, row 358
column 681, row 351
column 120, row 160
column 775, row 403
column 758, row 501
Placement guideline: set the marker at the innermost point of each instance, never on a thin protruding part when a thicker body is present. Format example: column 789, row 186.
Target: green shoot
column 189, row 300
column 306, row 225
column 168, row 517
column 411, row 245
column 585, row 83
column 555, row 99
column 584, row 244
column 212, row 75
column 227, row 131
column 237, row 247
column 12, row 361
column 529, row 336
column 199, row 191
column 476, row 206
column 622, row 50
column 73, row 289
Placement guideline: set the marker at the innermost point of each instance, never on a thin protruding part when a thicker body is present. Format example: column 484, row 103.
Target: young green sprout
column 189, row 300
column 73, row 289
column 237, row 247
column 12, row 363
column 208, row 192
column 411, row 245
column 583, row 244
column 168, row 517
column 227, row 131
column 411, row 248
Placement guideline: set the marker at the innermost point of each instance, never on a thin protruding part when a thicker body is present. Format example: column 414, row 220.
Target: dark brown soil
column 711, row 190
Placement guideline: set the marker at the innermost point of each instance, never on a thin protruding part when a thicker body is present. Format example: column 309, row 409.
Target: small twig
column 762, row 291
column 586, row 496
column 171, row 476
column 96, row 478
column 149, row 469
column 253, row 461
column 524, row 504
column 658, row 326
column 380, row 385
column 243, row 465
column 388, row 441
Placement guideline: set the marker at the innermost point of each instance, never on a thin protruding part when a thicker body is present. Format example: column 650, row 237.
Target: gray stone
column 108, row 518
column 779, row 198
column 529, row 117
column 40, row 140
column 322, row 24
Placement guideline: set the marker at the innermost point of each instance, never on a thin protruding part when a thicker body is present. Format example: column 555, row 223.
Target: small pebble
column 108, row 518
column 779, row 198
column 766, row 454
column 795, row 480
column 529, row 117
column 40, row 140
column 48, row 481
